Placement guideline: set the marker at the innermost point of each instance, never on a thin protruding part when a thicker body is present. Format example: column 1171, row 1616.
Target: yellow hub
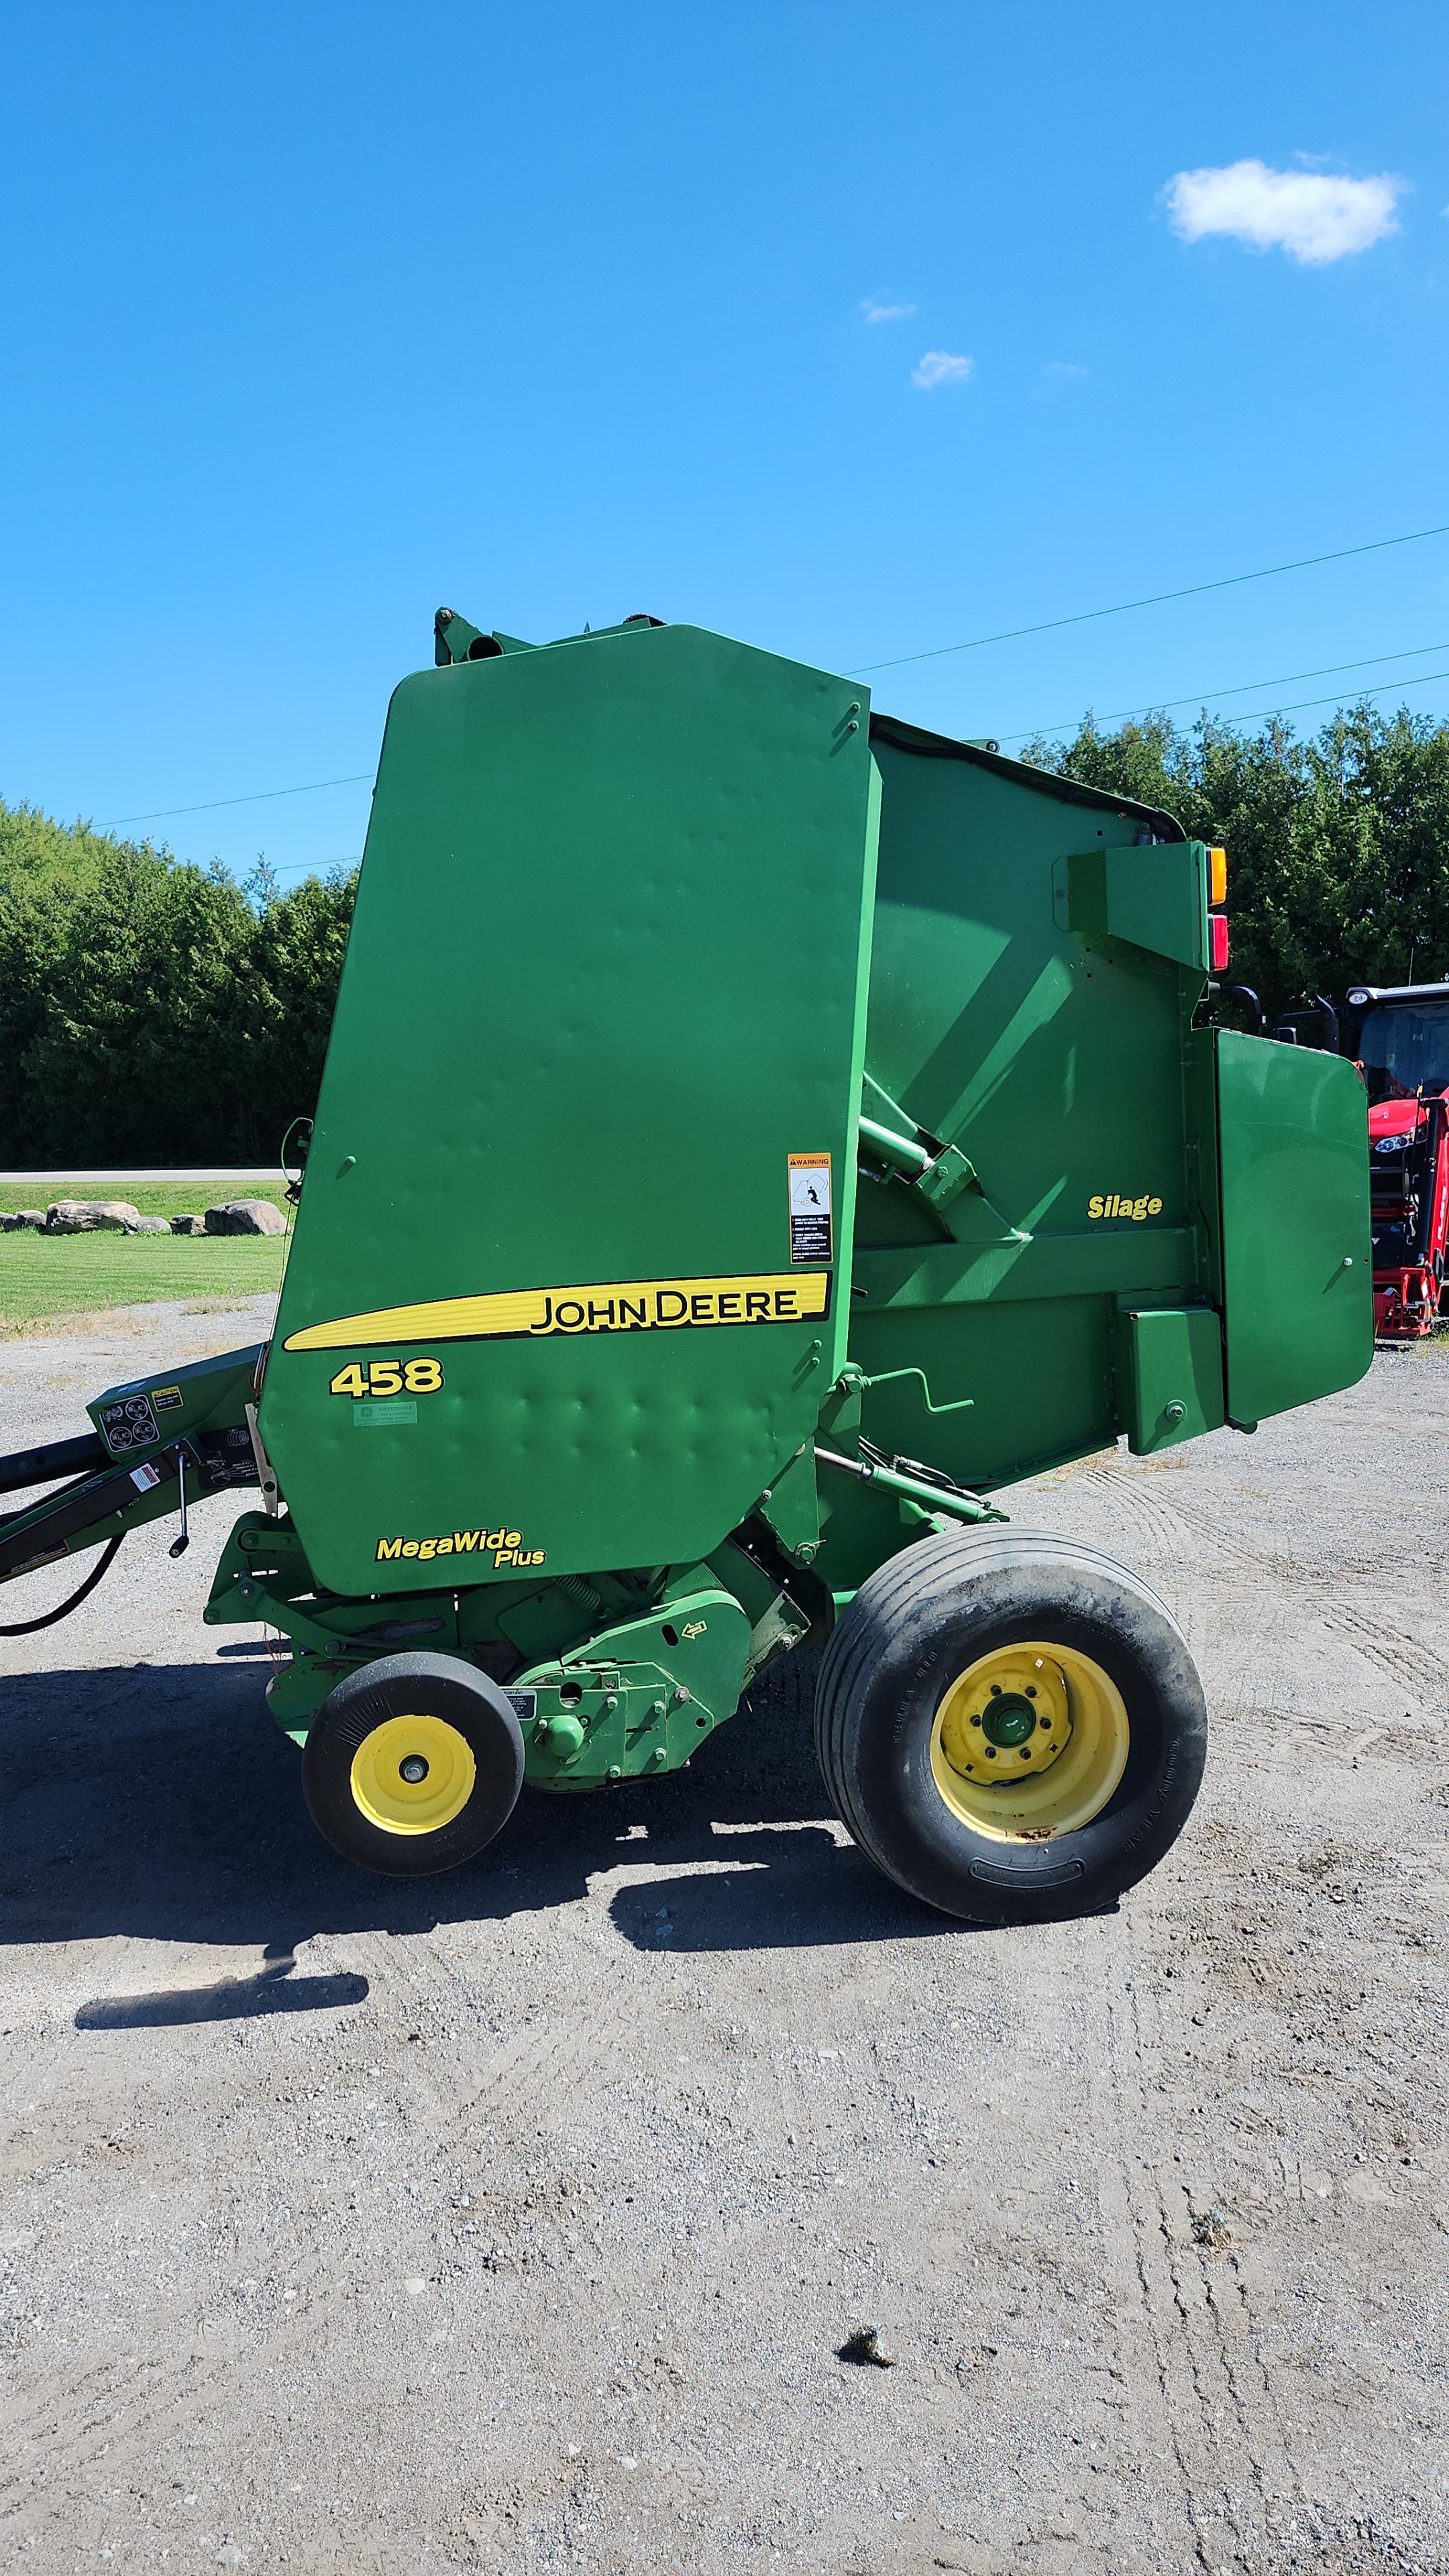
column 1030, row 1742
column 413, row 1775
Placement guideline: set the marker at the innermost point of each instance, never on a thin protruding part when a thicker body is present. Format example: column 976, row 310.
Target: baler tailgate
column 1297, row 1261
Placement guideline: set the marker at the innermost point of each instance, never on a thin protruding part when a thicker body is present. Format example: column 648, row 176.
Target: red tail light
column 1218, row 926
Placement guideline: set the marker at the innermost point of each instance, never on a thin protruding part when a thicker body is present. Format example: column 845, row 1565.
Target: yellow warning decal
column 630, row 1306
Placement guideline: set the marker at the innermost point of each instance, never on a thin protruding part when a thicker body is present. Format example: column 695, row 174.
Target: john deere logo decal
column 630, row 1306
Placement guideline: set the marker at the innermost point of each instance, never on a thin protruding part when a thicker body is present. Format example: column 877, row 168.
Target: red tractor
column 1398, row 1035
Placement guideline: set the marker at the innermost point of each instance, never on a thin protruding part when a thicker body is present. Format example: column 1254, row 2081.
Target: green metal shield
column 566, row 1253
column 1297, row 1260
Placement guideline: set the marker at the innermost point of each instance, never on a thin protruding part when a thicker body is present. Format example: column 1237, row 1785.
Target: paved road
column 512, row 2222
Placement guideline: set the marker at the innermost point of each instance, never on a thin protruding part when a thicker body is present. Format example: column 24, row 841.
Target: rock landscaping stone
column 87, row 1216
column 21, row 1217
column 188, row 1225
column 149, row 1225
column 245, row 1216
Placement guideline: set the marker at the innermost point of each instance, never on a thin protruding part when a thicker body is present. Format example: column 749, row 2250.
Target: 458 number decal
column 388, row 1377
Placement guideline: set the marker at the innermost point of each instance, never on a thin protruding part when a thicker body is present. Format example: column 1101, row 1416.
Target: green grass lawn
column 44, row 1277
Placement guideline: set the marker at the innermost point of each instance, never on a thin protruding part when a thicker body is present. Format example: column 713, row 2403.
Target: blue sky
column 316, row 317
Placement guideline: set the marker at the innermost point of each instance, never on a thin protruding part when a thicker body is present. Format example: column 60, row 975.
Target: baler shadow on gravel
column 754, row 1132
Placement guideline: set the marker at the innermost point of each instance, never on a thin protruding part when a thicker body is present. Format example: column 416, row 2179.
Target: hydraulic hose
column 28, row 1627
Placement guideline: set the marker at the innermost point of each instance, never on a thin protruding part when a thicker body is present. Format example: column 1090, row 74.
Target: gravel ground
column 513, row 2222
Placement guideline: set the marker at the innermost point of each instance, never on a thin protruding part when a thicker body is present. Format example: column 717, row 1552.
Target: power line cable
column 1159, row 599
column 974, row 643
column 1245, row 688
column 164, row 813
column 1334, row 698
column 311, row 867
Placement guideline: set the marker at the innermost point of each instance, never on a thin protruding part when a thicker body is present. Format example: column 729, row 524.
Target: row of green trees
column 155, row 1012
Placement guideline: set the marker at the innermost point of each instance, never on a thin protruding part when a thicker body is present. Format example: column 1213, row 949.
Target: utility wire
column 1334, row 697
column 1245, row 688
column 974, row 643
column 1297, row 707
column 164, row 813
column 1159, row 599
column 313, row 867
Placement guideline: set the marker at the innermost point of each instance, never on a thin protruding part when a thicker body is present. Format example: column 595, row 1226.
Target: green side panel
column 606, row 975
column 1169, row 1375
column 1296, row 1254
column 1051, row 1054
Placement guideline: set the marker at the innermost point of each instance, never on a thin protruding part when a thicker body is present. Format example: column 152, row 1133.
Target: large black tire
column 930, row 1615
column 412, row 1764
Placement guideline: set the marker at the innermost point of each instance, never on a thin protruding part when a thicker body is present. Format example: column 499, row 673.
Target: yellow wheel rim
column 413, row 1775
column 1030, row 1742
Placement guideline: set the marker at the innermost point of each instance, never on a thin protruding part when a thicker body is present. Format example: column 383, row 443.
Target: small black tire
column 942, row 1609
column 412, row 1764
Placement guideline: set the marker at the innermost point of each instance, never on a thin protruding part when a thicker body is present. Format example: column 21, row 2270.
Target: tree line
column 152, row 1011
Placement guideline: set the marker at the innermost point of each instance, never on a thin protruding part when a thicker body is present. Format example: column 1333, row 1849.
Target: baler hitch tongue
column 54, row 1459
column 159, row 1443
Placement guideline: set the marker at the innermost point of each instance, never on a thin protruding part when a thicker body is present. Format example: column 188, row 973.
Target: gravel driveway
column 513, row 2221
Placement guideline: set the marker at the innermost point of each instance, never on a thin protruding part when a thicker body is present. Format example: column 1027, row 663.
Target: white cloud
column 941, row 367
column 1062, row 372
column 1312, row 217
column 872, row 311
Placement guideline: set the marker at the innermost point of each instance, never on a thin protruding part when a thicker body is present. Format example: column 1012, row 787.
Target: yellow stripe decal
column 629, row 1306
